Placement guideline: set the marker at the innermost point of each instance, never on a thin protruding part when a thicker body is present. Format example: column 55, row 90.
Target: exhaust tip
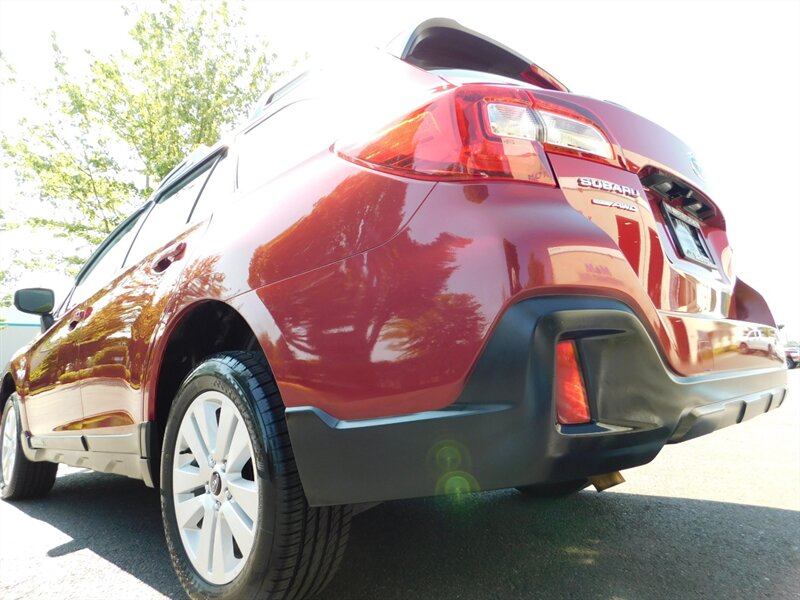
column 606, row 480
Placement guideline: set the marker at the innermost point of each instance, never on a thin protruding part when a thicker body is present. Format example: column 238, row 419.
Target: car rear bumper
column 502, row 431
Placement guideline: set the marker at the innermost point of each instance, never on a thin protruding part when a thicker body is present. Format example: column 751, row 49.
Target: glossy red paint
column 396, row 329
column 115, row 339
column 373, row 294
column 50, row 391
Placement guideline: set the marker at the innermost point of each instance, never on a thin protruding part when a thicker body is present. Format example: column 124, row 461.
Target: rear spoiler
column 446, row 44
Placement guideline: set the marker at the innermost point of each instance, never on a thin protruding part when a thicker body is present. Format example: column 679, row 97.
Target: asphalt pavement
column 716, row 517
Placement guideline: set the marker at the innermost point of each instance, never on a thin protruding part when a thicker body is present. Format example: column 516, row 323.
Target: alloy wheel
column 214, row 487
column 9, row 435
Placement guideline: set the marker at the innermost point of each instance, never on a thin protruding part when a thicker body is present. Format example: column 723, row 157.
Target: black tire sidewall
column 214, row 374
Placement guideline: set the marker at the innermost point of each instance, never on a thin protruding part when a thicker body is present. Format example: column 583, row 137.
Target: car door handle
column 81, row 315
column 174, row 253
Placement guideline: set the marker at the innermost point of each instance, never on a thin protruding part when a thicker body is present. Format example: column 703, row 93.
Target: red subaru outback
column 457, row 276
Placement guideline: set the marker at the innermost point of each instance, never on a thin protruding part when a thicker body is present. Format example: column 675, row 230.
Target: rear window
column 282, row 141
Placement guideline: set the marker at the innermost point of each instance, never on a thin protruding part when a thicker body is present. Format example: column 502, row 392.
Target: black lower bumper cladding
column 502, row 431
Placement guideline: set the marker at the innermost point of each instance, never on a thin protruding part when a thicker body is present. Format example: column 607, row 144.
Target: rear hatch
column 680, row 248
column 651, row 198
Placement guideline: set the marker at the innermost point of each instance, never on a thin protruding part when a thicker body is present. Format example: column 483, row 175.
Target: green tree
column 109, row 136
column 191, row 75
column 5, row 275
column 65, row 162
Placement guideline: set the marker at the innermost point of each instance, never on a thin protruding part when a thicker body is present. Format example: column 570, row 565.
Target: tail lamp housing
column 478, row 132
column 572, row 403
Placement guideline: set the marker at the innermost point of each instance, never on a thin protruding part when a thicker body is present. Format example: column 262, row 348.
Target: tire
column 282, row 548
column 19, row 477
column 558, row 489
column 790, row 363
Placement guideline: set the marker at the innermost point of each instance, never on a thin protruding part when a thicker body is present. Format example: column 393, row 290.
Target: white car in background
column 792, row 356
column 758, row 340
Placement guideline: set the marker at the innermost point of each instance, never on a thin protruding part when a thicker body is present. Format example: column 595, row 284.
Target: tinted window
column 218, row 187
column 281, row 141
column 107, row 260
column 169, row 216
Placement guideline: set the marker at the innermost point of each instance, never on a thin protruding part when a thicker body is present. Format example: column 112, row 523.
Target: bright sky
column 723, row 76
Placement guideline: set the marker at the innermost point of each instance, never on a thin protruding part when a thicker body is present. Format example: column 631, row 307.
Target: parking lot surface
column 716, row 517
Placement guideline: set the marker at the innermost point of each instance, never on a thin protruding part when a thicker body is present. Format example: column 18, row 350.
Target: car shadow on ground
column 614, row 546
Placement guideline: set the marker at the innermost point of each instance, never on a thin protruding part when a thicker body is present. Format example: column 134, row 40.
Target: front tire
column 19, row 477
column 235, row 514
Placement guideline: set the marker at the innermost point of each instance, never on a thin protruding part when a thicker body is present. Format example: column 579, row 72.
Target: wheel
column 20, row 477
column 743, row 348
column 235, row 514
column 557, row 489
column 790, row 363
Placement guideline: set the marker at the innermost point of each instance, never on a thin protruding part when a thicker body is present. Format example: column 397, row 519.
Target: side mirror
column 36, row 301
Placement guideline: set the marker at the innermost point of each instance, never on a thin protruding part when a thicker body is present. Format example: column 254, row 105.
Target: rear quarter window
column 220, row 185
column 282, row 141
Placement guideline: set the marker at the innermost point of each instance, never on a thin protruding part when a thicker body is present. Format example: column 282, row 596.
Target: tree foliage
column 67, row 161
column 106, row 137
column 190, row 75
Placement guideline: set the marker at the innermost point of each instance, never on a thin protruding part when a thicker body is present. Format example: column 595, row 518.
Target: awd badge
column 615, row 204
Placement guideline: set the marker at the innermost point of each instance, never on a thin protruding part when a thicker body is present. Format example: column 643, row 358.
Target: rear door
column 125, row 313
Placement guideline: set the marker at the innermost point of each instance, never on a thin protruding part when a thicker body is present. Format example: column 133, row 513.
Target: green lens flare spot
column 456, row 483
column 448, row 458
column 449, row 455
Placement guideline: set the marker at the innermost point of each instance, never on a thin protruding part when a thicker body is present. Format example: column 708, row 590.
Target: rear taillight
column 570, row 132
column 479, row 132
column 572, row 405
column 454, row 137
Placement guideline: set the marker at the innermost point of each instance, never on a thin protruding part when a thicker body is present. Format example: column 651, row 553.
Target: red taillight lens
column 572, row 406
column 455, row 137
column 481, row 132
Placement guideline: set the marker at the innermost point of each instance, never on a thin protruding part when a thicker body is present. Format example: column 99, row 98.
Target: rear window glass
column 282, row 141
